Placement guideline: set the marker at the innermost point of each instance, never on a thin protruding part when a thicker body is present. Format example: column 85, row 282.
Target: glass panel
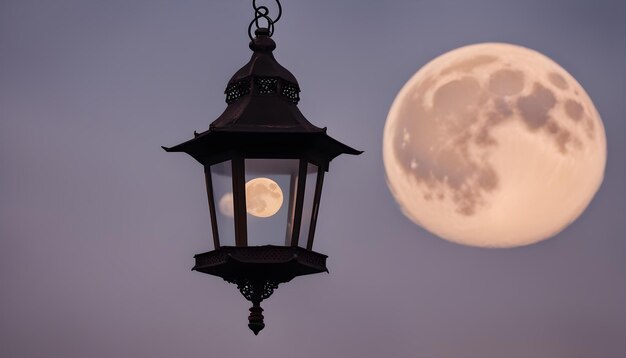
column 221, row 176
column 307, row 208
column 270, row 194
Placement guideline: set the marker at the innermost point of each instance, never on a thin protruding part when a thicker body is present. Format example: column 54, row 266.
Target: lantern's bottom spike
column 256, row 291
column 255, row 319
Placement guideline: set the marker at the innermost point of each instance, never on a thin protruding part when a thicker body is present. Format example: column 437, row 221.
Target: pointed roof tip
column 345, row 149
column 166, row 149
column 352, row 151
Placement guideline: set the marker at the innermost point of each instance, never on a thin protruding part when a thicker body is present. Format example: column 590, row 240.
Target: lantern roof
column 262, row 117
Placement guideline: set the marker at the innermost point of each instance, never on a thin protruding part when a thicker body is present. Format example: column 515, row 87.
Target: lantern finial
column 262, row 13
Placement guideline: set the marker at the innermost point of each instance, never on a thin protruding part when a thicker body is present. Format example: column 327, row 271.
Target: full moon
column 493, row 145
column 263, row 197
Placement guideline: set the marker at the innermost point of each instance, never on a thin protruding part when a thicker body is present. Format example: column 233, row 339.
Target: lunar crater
column 557, row 80
column 536, row 107
column 506, row 82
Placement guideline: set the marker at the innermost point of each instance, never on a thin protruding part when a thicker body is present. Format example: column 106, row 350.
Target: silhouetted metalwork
column 262, row 132
column 262, row 12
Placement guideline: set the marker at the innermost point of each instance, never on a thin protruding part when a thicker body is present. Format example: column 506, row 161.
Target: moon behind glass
column 263, row 197
column 226, row 205
column 493, row 145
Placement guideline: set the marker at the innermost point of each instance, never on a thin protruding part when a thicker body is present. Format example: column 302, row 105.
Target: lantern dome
column 262, row 98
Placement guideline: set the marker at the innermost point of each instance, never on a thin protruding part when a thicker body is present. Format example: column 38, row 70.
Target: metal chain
column 262, row 13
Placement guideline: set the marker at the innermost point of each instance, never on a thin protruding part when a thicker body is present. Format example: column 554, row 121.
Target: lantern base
column 269, row 263
column 257, row 271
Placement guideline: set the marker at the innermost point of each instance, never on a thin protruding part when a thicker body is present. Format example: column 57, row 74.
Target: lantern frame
column 262, row 121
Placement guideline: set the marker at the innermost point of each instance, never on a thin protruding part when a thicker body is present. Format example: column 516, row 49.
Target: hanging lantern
column 264, row 166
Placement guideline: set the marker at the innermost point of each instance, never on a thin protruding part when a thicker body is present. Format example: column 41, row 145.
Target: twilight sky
column 98, row 225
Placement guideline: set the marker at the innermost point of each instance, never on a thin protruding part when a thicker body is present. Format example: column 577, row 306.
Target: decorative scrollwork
column 262, row 13
column 256, row 291
column 262, row 85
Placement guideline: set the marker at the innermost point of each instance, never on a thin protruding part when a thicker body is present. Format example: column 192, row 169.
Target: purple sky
column 98, row 225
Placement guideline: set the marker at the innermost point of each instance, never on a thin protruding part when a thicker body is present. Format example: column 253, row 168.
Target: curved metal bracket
column 262, row 12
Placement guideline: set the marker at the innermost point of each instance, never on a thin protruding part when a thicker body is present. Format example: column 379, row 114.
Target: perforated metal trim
column 291, row 92
column 266, row 85
column 236, row 90
column 256, row 291
column 263, row 85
